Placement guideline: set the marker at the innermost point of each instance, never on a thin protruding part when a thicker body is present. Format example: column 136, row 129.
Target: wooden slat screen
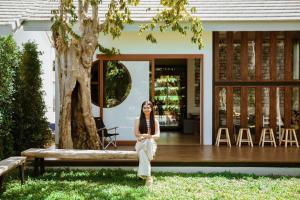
column 229, row 110
column 229, row 55
column 287, row 106
column 288, row 57
column 243, row 83
column 244, row 56
column 273, row 48
column 216, row 56
column 258, row 54
column 272, row 112
column 244, row 107
column 216, row 110
column 258, row 114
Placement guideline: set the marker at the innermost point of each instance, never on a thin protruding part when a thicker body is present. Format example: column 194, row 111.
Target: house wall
column 124, row 114
column 173, row 43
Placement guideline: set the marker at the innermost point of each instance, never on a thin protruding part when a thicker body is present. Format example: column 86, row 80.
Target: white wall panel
column 125, row 113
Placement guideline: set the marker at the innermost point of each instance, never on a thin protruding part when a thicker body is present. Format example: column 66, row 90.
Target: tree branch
column 86, row 6
column 80, row 10
column 95, row 16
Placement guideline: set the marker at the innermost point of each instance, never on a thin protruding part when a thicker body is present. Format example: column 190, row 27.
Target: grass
column 120, row 184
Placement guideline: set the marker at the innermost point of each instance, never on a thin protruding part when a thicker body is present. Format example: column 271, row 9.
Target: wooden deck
column 225, row 156
column 195, row 155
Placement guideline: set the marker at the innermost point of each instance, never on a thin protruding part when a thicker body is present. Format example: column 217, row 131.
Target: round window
column 117, row 83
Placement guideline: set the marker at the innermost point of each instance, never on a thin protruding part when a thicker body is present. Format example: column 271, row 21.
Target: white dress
column 146, row 150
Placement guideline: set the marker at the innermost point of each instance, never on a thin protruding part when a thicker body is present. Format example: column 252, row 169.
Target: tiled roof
column 12, row 11
column 16, row 11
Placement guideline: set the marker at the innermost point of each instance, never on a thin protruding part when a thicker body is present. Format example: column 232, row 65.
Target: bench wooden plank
column 10, row 163
column 80, row 154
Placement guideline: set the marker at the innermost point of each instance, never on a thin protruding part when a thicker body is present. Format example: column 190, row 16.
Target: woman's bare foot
column 149, row 181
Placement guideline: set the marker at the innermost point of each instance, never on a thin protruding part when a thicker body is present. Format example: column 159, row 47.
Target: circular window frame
column 95, row 82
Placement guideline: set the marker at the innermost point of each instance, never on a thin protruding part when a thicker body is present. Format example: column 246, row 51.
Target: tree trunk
column 77, row 127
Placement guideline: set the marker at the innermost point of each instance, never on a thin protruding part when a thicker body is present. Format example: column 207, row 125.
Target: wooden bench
column 10, row 164
column 75, row 154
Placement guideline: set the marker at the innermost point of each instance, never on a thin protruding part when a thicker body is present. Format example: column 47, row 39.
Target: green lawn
column 119, row 184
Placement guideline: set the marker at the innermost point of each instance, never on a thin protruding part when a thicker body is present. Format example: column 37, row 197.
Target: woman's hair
column 143, row 123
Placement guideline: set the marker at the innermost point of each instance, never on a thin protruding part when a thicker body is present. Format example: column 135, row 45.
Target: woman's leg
column 144, row 164
column 151, row 147
column 144, row 168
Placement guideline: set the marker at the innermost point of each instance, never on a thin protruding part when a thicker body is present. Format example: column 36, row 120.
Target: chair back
column 100, row 124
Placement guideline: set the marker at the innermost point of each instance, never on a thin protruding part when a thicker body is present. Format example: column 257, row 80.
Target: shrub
column 31, row 127
column 9, row 60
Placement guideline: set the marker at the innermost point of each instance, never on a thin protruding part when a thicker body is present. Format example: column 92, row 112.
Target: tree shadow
column 99, row 184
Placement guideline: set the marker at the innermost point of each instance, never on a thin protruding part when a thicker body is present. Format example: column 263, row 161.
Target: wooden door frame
column 151, row 58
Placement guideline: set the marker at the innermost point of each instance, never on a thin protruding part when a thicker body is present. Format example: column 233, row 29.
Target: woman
column 146, row 130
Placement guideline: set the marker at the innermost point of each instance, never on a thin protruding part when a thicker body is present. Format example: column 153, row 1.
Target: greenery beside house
column 9, row 61
column 22, row 111
column 31, row 128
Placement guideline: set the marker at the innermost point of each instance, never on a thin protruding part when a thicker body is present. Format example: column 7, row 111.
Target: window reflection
column 266, row 57
column 295, row 108
column 280, row 56
column 222, row 55
column 222, row 107
column 251, row 59
column 251, row 109
column 237, row 55
column 296, row 59
column 236, row 108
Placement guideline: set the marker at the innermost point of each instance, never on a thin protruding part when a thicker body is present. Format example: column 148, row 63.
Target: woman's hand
column 144, row 136
column 148, row 136
column 140, row 138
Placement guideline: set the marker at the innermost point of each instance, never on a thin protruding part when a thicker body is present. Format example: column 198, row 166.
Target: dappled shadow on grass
column 78, row 184
column 104, row 176
column 122, row 184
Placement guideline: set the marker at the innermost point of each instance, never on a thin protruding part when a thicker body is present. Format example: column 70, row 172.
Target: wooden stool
column 287, row 136
column 240, row 137
column 265, row 131
column 218, row 139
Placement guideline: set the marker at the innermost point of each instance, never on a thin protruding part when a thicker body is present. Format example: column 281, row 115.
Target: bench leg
column 39, row 166
column 1, row 184
column 42, row 166
column 21, row 170
column 36, row 167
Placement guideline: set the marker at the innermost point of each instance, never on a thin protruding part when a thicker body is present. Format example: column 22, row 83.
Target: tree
column 9, row 59
column 31, row 129
column 75, row 50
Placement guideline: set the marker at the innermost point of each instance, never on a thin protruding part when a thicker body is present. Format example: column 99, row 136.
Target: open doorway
column 171, row 100
column 170, row 93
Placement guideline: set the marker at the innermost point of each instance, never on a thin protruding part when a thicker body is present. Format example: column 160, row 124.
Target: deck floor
column 196, row 155
column 223, row 155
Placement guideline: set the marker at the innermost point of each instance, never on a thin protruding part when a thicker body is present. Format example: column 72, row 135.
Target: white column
column 208, row 91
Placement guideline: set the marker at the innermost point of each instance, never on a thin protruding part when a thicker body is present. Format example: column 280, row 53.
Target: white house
column 247, row 74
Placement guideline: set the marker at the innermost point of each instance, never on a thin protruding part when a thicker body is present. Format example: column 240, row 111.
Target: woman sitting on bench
column 146, row 129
